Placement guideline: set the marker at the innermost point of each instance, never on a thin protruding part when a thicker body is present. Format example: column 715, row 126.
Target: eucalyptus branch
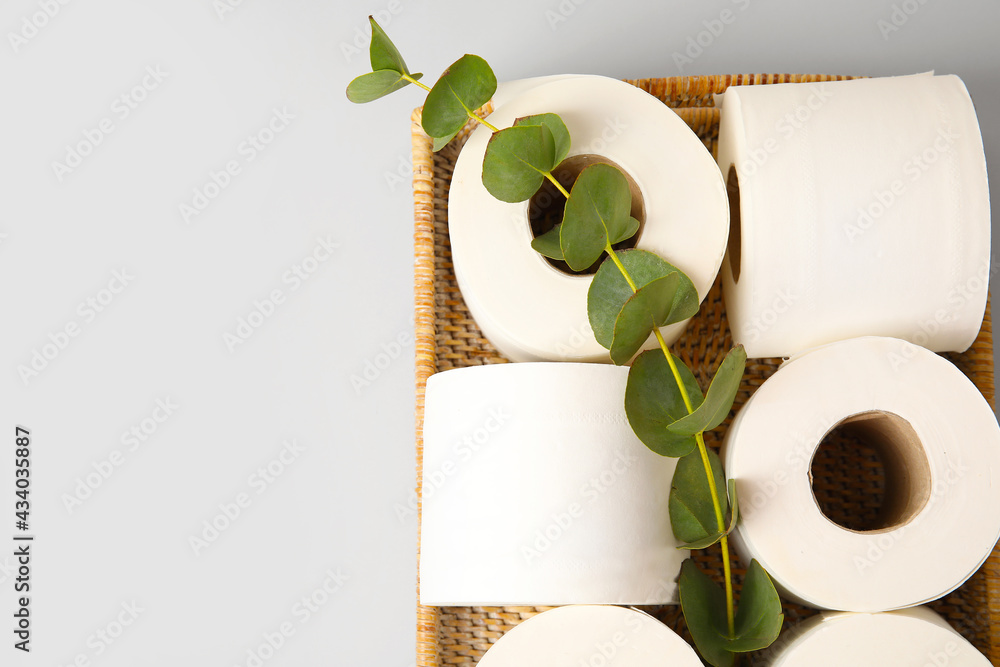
column 634, row 294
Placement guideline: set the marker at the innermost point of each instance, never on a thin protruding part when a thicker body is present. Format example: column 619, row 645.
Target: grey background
column 344, row 170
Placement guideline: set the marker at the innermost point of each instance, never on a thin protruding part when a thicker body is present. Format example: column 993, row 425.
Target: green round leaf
column 374, row 85
column 759, row 617
column 720, row 397
column 517, row 160
column 548, row 243
column 560, row 134
column 686, row 300
column 627, row 231
column 609, row 291
column 692, row 513
column 734, row 518
column 653, row 401
column 596, row 214
column 384, row 54
column 464, row 87
column 645, row 310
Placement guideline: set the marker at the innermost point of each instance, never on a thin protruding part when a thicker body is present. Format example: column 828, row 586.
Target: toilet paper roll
column 591, row 635
column 940, row 447
column 536, row 491
column 916, row 637
column 858, row 208
column 532, row 311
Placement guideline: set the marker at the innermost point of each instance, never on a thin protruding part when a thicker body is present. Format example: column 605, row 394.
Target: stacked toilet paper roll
column 858, row 208
column 536, row 491
column 529, row 309
column 592, row 636
column 917, row 637
column 940, row 446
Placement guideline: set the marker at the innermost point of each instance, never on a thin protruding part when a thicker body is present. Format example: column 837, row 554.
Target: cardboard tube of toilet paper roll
column 939, row 443
column 532, row 311
column 536, row 491
column 858, row 208
column 591, row 635
column 915, row 637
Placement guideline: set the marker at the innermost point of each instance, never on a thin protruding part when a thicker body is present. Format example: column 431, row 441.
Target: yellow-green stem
column 614, row 258
column 565, row 194
column 415, row 82
column 483, row 121
column 727, row 571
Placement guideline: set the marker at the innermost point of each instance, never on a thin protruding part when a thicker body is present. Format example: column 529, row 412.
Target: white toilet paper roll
column 940, row 447
column 536, row 491
column 591, row 635
column 862, row 209
column 527, row 308
column 916, row 637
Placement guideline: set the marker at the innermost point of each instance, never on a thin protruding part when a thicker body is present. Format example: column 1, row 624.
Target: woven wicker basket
column 447, row 337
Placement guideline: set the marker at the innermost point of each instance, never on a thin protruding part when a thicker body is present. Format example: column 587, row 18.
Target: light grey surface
column 341, row 170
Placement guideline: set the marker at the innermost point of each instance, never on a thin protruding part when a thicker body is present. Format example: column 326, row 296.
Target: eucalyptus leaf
column 464, row 87
column 548, row 243
column 706, row 542
column 627, row 231
column 692, row 512
column 720, row 396
column 653, row 401
column 560, row 134
column 517, row 160
column 759, row 617
column 704, row 604
column 374, row 85
column 441, row 142
column 596, row 215
column 384, row 54
column 645, row 310
column 609, row 291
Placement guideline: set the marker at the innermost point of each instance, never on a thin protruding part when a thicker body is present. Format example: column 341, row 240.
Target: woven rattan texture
column 447, row 337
